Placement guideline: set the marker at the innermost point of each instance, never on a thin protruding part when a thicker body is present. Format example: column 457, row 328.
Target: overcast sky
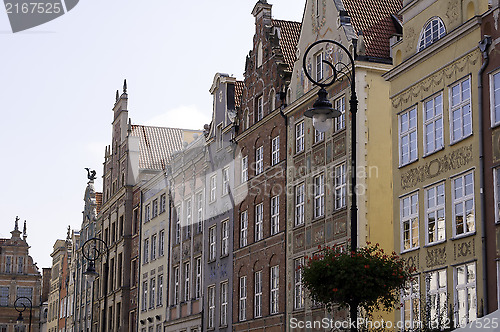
column 58, row 84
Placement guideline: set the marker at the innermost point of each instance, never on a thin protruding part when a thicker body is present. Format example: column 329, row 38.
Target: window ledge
column 434, row 243
column 461, row 236
column 433, row 152
column 410, row 250
column 408, row 163
column 461, row 139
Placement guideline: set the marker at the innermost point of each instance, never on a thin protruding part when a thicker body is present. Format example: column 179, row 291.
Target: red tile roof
column 290, row 32
column 238, row 92
column 156, row 145
column 374, row 19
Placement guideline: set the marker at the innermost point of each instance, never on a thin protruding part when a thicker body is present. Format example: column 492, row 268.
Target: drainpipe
column 483, row 47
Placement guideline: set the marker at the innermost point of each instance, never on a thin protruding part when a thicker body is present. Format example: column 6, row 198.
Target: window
column 299, row 204
column 259, row 160
column 275, row 150
column 152, row 284
column 463, row 204
column 436, row 297
column 408, row 137
column 177, row 225
column 211, row 239
column 318, row 136
column 319, row 66
column 319, row 196
column 163, row 203
column 176, row 285
column 4, row 296
column 259, row 215
column 159, row 301
column 340, row 121
column 243, row 228
column 147, row 213
column 225, row 181
column 465, row 293
column 155, row 208
column 189, row 218
column 223, row 303
column 198, row 278
column 340, row 186
column 199, row 202
column 225, row 238
column 211, row 307
column 298, row 296
column 20, row 264
column 496, row 177
column 409, row 221
column 495, row 98
column 433, row 124
column 146, row 251
column 460, row 112
column 274, row 289
column 410, row 300
column 219, row 136
column 275, row 215
column 244, row 169
column 186, row 281
column 153, row 246
column 243, row 298
column 213, row 187
column 144, row 296
column 260, row 108
column 299, row 137
column 161, row 243
column 435, row 217
column 432, row 31
column 258, row 295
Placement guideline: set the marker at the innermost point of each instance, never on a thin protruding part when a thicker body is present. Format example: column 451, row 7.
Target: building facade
column 259, row 263
column 19, row 277
column 436, row 167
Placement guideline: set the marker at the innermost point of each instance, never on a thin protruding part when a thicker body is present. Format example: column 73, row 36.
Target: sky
column 58, row 83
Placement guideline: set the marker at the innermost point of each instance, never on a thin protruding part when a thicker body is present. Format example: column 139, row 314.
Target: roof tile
column 290, row 32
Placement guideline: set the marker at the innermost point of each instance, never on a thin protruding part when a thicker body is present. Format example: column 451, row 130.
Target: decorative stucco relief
column 435, row 257
column 464, row 249
column 453, row 10
column 454, row 160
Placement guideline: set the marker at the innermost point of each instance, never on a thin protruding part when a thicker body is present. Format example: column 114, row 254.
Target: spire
column 25, row 235
column 117, row 95
column 125, row 86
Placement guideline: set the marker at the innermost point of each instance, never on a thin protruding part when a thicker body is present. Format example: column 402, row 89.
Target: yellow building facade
column 436, row 175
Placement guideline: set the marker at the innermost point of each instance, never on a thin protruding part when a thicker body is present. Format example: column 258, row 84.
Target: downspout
column 483, row 47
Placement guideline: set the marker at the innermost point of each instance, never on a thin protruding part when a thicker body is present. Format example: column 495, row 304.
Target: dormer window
column 432, row 31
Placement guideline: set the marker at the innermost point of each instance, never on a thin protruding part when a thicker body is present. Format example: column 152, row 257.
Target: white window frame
column 410, row 299
column 224, row 290
column 274, row 290
column 298, row 295
column 340, row 186
column 468, row 287
column 275, row 150
column 212, row 239
column 244, row 169
column 199, row 201
column 409, row 133
column 433, row 30
column 436, row 286
column 433, row 124
column 152, row 283
column 211, row 307
column 213, row 187
column 494, row 99
column 189, row 217
column 225, row 181
column 154, row 238
column 161, row 243
column 318, row 59
column 319, row 195
column 244, row 229
column 259, row 160
column 260, row 108
column 435, row 207
column 465, row 116
column 258, row 294
column 299, row 203
column 198, row 281
column 145, row 259
column 340, row 121
column 466, row 198
column 225, row 238
column 144, row 305
column 299, row 137
column 409, row 215
column 243, row 299
column 275, row 214
column 176, row 285
column 187, row 273
column 159, row 298
column 178, row 225
column 259, row 222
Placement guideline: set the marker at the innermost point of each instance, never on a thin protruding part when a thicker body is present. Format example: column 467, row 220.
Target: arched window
column 259, row 54
column 272, row 100
column 432, row 31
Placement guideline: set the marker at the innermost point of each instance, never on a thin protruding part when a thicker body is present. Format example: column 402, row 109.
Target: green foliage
column 366, row 277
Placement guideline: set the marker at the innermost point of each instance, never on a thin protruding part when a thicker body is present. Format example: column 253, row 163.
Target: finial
column 90, row 174
column 117, row 95
column 24, row 231
column 16, row 227
column 68, row 236
column 125, row 86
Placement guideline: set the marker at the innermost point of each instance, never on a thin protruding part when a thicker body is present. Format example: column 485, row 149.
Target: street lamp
column 21, row 307
column 92, row 251
column 322, row 112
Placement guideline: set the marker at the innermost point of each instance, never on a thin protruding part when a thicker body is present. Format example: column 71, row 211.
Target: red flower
column 335, row 290
column 367, row 266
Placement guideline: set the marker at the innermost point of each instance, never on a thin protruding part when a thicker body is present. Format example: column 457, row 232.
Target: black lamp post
column 92, row 250
column 322, row 112
column 21, row 307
